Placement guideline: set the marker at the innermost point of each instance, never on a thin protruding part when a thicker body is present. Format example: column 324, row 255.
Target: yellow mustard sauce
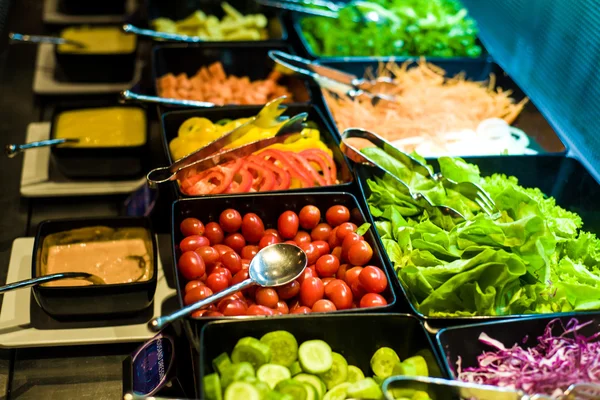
column 103, row 127
column 99, row 40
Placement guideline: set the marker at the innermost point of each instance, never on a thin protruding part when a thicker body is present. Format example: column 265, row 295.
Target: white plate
column 17, row 329
column 45, row 84
column 51, row 15
column 35, row 179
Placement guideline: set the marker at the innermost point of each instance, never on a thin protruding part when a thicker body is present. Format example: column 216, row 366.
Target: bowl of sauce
column 122, row 251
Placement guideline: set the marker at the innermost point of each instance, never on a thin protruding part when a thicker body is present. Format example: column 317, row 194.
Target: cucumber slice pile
column 277, row 368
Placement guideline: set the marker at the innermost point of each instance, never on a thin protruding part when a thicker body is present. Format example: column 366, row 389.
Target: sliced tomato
column 324, row 161
column 301, row 162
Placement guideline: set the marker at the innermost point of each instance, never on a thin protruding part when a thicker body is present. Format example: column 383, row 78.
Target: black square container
column 181, row 9
column 99, row 162
column 171, row 121
column 463, row 341
column 64, row 302
column 97, row 67
column 102, row 7
column 543, row 136
column 356, row 337
column 237, row 58
column 268, row 207
column 561, row 177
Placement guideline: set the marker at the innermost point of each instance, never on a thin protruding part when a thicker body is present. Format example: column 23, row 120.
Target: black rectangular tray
column 561, row 177
column 237, row 58
column 180, row 9
column 356, row 337
column 543, row 135
column 463, row 341
column 171, row 121
column 269, row 207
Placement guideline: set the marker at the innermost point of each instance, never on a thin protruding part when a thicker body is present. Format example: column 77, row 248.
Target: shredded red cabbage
column 549, row 368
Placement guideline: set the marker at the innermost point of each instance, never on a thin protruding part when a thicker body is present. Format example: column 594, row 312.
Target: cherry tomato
column 312, row 253
column 344, row 229
column 333, row 240
column 267, row 240
column 192, row 284
column 196, row 294
column 308, row 273
column 240, row 277
column 232, row 262
column 217, row 282
column 349, row 240
column 291, row 242
column 287, row 224
column 311, row 290
column 323, row 306
column 352, row 275
column 221, row 304
column 213, row 314
column 327, row 280
column 234, row 307
column 259, row 310
column 266, row 297
column 282, row 307
column 340, row 294
column 253, row 228
column 373, row 279
column 322, row 247
column 301, row 310
column 224, row 271
column 327, row 265
column 360, row 253
column 337, row 215
column 191, row 265
column 356, row 216
column 203, row 278
column 320, row 232
column 222, row 249
column 214, row 233
column 341, row 272
column 337, row 252
column 193, row 242
column 245, row 263
column 208, row 254
column 236, row 241
column 302, row 238
column 198, row 313
column 372, row 300
column 248, row 252
column 230, row 220
column 288, row 290
column 309, row 217
column 273, row 232
column 191, row 226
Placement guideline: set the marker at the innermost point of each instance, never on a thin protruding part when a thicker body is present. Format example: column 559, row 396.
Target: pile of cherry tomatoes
column 338, row 277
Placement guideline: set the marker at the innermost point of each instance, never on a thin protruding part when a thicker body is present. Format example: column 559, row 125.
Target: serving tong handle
column 129, row 96
column 12, row 150
column 299, row 6
column 35, row 39
column 128, row 28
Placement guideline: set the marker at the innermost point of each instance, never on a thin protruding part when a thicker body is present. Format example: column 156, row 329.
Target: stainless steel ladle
column 94, row 279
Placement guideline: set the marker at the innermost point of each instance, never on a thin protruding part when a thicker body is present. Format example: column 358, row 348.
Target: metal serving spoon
column 129, row 96
column 128, row 28
column 94, row 279
column 274, row 265
column 12, row 150
column 35, row 39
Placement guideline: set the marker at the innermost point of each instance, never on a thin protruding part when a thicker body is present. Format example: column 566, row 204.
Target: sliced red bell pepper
column 215, row 180
column 325, row 162
column 282, row 177
column 287, row 163
column 242, row 181
column 302, row 163
column 264, row 178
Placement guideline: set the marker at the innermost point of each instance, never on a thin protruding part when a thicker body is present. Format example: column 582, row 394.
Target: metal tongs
column 211, row 155
column 403, row 386
column 354, row 139
column 329, row 9
column 336, row 80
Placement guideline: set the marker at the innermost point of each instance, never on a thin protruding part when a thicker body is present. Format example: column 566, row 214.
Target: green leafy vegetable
column 533, row 259
column 438, row 28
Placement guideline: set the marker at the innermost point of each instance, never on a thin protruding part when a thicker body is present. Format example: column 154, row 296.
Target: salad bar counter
column 286, row 200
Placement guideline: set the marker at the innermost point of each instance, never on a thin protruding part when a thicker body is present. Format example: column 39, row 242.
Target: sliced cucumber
column 298, row 390
column 339, row 392
column 283, row 345
column 252, row 350
column 272, row 374
column 315, row 356
column 262, row 387
column 221, row 362
column 236, row 372
column 311, row 392
column 250, row 379
column 241, row 391
column 212, row 387
column 315, row 381
column 366, row 389
column 338, row 372
column 295, row 368
column 383, row 362
column 413, row 366
column 273, row 395
column 355, row 374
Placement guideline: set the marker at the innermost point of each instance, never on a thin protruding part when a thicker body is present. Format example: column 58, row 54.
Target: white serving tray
column 36, row 181
column 52, row 15
column 17, row 329
column 44, row 82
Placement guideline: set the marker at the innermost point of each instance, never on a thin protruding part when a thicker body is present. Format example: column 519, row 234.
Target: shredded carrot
column 213, row 85
column 428, row 104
